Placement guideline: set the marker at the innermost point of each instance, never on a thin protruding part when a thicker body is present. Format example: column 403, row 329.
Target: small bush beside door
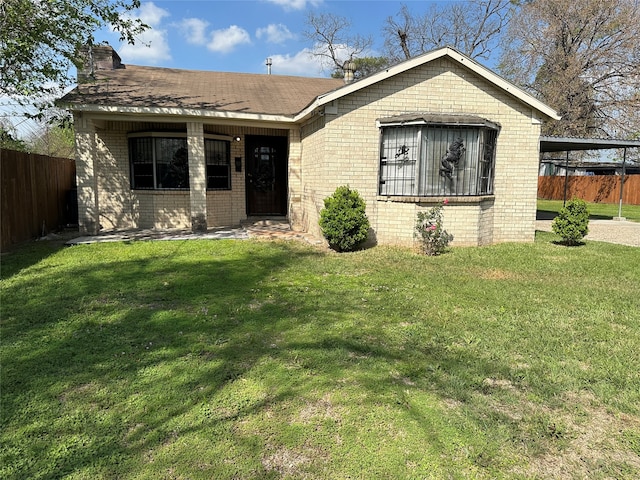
column 343, row 220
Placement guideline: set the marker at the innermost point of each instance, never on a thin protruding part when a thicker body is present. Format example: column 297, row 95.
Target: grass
column 597, row 211
column 243, row 359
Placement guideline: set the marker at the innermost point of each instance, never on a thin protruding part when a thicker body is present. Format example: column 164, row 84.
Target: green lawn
column 603, row 211
column 243, row 359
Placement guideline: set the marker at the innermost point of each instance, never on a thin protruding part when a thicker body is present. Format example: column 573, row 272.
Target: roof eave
column 177, row 111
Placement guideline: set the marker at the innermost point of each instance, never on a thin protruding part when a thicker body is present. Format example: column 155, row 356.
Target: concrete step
column 276, row 223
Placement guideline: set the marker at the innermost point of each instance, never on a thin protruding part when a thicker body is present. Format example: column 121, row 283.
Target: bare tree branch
column 582, row 58
column 331, row 40
column 473, row 28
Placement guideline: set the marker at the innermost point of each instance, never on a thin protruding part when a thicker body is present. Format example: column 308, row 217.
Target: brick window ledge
column 453, row 200
column 160, row 191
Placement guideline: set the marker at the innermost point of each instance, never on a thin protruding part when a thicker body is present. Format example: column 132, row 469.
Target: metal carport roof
column 566, row 144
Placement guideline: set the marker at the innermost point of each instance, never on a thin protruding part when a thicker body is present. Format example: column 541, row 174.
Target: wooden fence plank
column 596, row 188
column 35, row 190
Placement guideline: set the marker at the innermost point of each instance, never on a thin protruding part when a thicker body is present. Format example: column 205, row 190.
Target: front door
column 266, row 175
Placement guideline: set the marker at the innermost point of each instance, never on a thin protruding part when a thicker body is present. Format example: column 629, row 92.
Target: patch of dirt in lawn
column 578, row 439
column 319, row 410
column 291, row 462
column 594, row 443
column 497, row 274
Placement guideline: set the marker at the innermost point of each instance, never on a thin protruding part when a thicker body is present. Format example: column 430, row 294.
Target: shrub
column 572, row 222
column 343, row 220
column 429, row 231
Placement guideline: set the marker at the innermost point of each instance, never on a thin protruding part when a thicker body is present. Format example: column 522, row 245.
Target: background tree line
column 582, row 58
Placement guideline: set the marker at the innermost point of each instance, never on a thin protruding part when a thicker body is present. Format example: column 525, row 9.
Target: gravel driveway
column 611, row 231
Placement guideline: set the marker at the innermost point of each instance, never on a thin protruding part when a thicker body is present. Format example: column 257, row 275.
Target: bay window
column 430, row 155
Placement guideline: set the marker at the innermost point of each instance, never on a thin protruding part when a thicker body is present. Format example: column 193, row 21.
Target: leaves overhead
column 39, row 40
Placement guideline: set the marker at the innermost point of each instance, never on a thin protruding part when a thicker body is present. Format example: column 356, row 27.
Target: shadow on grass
column 25, row 255
column 112, row 352
column 74, row 335
column 565, row 243
column 550, row 215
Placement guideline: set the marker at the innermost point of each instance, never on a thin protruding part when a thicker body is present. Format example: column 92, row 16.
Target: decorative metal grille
column 431, row 160
column 159, row 163
column 217, row 154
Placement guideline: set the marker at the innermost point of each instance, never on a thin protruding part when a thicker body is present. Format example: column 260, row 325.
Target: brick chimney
column 349, row 68
column 94, row 58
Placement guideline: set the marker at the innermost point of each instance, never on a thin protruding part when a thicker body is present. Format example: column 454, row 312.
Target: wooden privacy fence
column 597, row 188
column 38, row 195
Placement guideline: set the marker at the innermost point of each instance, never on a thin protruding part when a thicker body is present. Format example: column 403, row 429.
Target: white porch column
column 197, row 176
column 86, row 175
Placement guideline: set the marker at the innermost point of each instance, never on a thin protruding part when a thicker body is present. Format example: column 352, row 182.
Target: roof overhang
column 177, row 113
column 437, row 119
column 568, row 144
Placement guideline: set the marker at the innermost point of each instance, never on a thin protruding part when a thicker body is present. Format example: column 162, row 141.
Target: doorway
column 266, row 175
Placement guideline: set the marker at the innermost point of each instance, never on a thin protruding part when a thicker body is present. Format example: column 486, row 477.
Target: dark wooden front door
column 266, row 175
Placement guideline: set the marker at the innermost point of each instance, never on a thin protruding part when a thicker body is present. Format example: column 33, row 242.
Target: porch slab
column 235, row 233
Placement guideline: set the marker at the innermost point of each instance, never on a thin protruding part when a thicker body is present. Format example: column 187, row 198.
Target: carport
column 567, row 144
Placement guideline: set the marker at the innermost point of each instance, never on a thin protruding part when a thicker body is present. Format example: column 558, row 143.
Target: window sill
column 472, row 199
column 161, row 191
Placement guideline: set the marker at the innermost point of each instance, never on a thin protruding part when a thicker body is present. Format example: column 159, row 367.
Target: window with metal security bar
column 217, row 153
column 159, row 163
column 162, row 162
column 430, row 159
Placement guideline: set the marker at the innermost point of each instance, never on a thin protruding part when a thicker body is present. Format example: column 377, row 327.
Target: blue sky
column 238, row 36
column 232, row 36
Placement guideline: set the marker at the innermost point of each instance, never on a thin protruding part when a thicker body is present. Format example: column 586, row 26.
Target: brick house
column 165, row 148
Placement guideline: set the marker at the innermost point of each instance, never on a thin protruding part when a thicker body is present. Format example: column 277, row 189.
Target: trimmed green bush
column 343, row 220
column 572, row 222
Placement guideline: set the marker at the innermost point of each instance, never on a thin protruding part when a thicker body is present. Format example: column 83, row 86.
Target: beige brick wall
column 105, row 193
column 348, row 150
column 161, row 209
column 324, row 153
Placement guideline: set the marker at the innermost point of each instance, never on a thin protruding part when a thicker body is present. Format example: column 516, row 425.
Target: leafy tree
column 8, row 141
column 39, row 40
column 583, row 59
column 473, row 27
column 53, row 139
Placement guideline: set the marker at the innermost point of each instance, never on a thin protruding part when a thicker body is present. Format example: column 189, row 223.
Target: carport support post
column 566, row 179
column 624, row 161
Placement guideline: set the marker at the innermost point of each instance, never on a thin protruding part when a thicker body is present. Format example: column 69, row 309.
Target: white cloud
column 275, row 33
column 151, row 46
column 150, row 14
column 296, row 4
column 194, row 30
column 302, row 63
column 224, row 41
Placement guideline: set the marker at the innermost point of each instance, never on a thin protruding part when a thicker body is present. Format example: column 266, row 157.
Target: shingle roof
column 136, row 86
